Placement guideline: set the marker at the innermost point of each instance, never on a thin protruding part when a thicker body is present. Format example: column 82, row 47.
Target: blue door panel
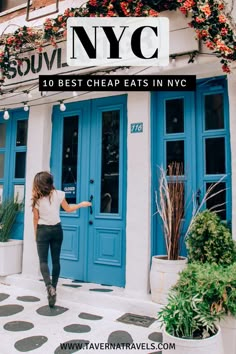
column 10, row 150
column 194, row 136
column 93, row 247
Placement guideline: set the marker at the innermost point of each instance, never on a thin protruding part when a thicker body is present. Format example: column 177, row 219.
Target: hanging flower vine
column 211, row 24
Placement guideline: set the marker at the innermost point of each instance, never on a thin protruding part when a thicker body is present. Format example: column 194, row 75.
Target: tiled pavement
column 27, row 324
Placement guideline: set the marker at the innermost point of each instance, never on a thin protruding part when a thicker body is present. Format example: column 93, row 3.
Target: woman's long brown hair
column 42, row 186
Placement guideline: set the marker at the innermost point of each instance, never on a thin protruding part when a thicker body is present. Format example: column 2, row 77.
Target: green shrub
column 209, row 240
column 8, row 212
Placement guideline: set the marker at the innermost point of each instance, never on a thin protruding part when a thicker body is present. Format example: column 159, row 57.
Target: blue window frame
column 13, row 149
column 193, row 128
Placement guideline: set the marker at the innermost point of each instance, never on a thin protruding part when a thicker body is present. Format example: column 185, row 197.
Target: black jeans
column 49, row 236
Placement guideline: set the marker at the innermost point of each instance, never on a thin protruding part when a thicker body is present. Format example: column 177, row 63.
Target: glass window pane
column 218, row 202
column 2, row 134
column 214, row 111
column 21, row 133
column 175, row 152
column 110, row 162
column 175, row 116
column 215, row 155
column 1, row 165
column 70, row 157
column 20, row 164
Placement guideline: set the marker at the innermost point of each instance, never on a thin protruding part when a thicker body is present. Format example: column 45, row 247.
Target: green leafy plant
column 215, row 284
column 187, row 316
column 8, row 212
column 209, row 240
column 203, row 294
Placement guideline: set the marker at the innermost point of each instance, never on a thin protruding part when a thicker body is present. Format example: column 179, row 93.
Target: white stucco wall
column 138, row 196
column 38, row 159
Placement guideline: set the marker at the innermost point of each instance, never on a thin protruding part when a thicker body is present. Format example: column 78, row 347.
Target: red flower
column 60, row 18
column 183, row 10
column 224, row 31
column 221, row 6
column 206, row 9
column 225, row 68
column 210, row 45
column 111, row 13
column 204, row 33
column 188, row 4
column 153, row 13
column 199, row 20
column 222, row 18
column 93, row 2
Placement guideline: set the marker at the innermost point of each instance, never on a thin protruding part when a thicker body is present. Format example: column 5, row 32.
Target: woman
column 46, row 202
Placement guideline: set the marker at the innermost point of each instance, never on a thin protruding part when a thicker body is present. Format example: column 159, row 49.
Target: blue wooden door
column 88, row 162
column 193, row 128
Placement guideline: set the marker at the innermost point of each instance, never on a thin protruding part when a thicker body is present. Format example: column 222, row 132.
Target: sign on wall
column 136, row 128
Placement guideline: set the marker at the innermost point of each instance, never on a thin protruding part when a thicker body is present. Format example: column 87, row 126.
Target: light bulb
column 75, row 93
column 29, row 95
column 62, row 107
column 173, row 61
column 6, row 115
column 26, row 107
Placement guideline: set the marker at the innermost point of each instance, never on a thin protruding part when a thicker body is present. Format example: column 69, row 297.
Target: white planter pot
column 163, row 275
column 228, row 328
column 11, row 257
column 211, row 345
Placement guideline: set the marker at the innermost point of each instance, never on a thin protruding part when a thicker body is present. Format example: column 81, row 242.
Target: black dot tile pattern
column 79, row 281
column 120, row 337
column 51, row 311
column 71, row 346
column 18, row 326
column 30, row 343
column 77, row 328
column 155, row 337
column 72, row 285
column 9, row 310
column 89, row 316
column 3, row 296
column 101, row 290
column 28, row 298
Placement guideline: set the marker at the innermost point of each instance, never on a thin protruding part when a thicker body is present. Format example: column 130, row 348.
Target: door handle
column 198, row 196
column 91, row 207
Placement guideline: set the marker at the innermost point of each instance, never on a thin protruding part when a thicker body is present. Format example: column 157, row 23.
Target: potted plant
column 170, row 207
column 196, row 304
column 10, row 250
column 209, row 240
column 171, row 204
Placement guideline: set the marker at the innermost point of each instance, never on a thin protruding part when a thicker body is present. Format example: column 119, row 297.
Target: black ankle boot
column 51, row 295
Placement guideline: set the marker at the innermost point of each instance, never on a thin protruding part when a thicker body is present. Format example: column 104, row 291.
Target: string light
column 173, row 61
column 75, row 93
column 6, row 115
column 26, row 107
column 62, row 106
column 29, row 94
